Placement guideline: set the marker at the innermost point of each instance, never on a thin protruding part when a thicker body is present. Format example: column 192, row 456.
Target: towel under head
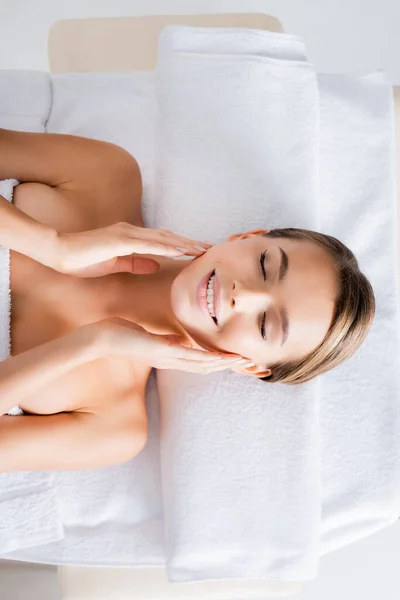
column 262, row 479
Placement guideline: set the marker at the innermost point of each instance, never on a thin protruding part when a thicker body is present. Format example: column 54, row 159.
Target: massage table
column 124, row 44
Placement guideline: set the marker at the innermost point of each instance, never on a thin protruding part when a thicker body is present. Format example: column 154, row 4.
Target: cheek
column 237, row 337
column 232, row 256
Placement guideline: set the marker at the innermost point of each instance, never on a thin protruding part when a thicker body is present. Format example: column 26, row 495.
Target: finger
column 204, row 356
column 198, row 367
column 181, row 249
column 176, row 243
column 175, row 238
column 143, row 266
column 142, row 240
column 180, row 353
column 142, row 246
column 173, row 338
column 185, row 350
column 236, row 366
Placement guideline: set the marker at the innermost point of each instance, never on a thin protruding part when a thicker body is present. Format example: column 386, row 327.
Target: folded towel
column 359, row 405
column 6, row 190
column 238, row 137
column 260, row 479
column 29, row 512
column 29, row 507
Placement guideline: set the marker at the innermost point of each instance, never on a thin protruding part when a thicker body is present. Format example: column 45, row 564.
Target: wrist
column 89, row 342
column 23, row 234
column 48, row 248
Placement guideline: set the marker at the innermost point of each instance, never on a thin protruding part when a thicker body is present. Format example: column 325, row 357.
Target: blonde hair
column 353, row 314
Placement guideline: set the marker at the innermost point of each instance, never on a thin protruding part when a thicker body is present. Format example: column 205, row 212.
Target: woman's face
column 273, row 298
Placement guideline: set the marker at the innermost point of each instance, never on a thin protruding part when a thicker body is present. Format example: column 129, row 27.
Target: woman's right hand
column 122, row 339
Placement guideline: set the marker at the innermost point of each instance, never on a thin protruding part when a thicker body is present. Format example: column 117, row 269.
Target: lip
column 201, row 296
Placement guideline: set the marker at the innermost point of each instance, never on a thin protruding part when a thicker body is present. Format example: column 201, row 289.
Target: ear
column 256, row 371
column 247, row 234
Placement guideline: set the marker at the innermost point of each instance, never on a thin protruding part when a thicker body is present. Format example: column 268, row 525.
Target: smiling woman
column 97, row 300
column 293, row 301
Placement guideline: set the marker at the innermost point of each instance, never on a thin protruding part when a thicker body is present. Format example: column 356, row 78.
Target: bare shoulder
column 97, row 184
column 109, row 186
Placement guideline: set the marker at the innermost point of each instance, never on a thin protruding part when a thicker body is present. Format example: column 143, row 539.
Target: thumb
column 175, row 339
column 136, row 265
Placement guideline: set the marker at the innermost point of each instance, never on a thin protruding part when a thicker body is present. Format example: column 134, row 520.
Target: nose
column 249, row 297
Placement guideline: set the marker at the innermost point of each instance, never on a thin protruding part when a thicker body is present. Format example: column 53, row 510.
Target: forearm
column 21, row 233
column 25, row 374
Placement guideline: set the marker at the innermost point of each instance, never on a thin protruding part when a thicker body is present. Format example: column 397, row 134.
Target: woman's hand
column 122, row 339
column 114, row 249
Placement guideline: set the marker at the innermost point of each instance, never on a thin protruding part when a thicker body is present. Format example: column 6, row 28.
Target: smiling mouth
column 206, row 298
column 210, row 298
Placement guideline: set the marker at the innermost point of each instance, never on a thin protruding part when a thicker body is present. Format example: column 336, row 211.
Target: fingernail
column 181, row 249
column 201, row 248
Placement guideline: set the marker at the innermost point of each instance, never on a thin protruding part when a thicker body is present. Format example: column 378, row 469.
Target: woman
column 284, row 305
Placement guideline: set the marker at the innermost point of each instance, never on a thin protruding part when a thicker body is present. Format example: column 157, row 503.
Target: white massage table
column 124, row 44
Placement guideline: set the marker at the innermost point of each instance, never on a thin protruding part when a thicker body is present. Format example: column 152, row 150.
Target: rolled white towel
column 30, row 514
column 6, row 190
column 15, row 412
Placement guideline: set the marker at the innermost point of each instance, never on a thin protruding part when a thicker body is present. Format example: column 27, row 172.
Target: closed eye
column 264, row 337
column 262, row 263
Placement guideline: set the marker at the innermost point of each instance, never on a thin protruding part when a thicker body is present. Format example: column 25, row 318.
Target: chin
column 185, row 308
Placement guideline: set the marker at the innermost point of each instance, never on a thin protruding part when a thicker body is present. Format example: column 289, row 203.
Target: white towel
column 124, row 502
column 359, row 406
column 237, row 150
column 6, row 190
column 29, row 508
column 258, row 480
column 25, row 100
column 113, row 515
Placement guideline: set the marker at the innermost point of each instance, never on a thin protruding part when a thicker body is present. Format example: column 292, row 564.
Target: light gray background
column 342, row 36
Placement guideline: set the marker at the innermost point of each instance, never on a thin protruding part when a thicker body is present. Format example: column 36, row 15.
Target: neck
column 146, row 299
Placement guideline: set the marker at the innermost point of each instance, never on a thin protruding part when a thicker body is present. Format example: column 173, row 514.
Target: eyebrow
column 283, row 269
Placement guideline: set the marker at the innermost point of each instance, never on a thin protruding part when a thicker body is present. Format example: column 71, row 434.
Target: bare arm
column 68, row 441
column 74, row 440
column 28, row 372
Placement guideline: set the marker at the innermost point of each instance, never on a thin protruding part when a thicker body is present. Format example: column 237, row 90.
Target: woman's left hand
column 115, row 249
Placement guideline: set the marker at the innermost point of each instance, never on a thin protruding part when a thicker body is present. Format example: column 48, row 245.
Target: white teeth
column 210, row 296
